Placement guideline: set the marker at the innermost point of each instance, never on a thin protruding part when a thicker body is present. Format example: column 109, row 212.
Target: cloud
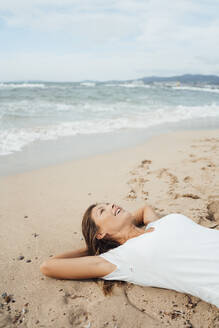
column 96, row 23
column 111, row 39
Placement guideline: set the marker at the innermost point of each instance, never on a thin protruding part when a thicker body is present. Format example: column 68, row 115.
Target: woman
column 173, row 252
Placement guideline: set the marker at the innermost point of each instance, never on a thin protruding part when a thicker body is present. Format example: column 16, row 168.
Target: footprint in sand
column 131, row 194
column 131, row 181
column 200, row 159
column 165, row 172
column 187, row 179
column 209, row 163
column 210, row 140
column 191, row 196
column 139, row 181
column 172, row 180
column 213, row 211
column 145, row 163
column 78, row 317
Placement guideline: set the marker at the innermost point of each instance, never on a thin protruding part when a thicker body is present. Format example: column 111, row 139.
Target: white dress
column 179, row 254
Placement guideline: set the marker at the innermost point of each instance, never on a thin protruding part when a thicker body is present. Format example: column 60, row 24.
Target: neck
column 129, row 233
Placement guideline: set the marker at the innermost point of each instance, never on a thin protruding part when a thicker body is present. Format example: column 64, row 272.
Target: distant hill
column 187, row 78
column 184, row 79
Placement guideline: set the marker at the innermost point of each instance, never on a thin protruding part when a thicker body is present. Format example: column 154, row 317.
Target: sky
column 75, row 40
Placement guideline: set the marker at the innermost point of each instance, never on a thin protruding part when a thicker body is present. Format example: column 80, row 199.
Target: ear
column 100, row 235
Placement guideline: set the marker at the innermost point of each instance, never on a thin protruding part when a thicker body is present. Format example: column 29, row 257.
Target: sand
column 41, row 211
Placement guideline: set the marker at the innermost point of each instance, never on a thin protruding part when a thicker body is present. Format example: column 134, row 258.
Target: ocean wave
column 202, row 89
column 21, row 85
column 128, row 85
column 135, row 85
column 88, row 84
column 31, row 109
column 14, row 139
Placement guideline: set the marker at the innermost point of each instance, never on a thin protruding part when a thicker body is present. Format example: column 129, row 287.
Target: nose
column 114, row 208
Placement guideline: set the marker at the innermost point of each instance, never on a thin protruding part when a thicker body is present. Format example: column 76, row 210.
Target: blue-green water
column 35, row 112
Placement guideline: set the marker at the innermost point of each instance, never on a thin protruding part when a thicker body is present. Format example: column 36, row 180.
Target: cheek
column 106, row 221
column 127, row 215
column 110, row 221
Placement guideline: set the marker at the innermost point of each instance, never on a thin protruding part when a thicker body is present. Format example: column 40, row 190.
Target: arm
column 77, row 268
column 72, row 254
column 145, row 215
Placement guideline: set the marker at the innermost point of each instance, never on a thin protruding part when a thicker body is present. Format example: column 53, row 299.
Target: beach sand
column 41, row 212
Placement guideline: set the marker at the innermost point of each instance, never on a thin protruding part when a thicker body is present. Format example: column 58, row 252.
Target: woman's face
column 110, row 219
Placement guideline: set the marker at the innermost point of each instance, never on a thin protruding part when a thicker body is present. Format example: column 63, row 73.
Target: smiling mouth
column 118, row 210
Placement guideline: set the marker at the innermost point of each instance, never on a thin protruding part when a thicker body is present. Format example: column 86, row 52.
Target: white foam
column 21, row 85
column 45, row 108
column 202, row 89
column 128, row 85
column 88, row 84
column 36, row 108
column 15, row 139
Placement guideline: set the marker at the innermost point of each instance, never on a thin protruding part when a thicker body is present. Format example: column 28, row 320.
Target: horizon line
column 122, row 80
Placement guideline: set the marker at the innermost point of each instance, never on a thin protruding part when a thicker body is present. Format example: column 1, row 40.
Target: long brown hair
column 97, row 246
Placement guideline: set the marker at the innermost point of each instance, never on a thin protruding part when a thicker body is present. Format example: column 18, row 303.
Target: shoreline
column 41, row 213
column 54, row 152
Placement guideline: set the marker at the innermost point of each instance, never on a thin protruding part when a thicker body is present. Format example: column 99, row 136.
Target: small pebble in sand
column 21, row 257
column 132, row 194
column 28, row 261
column 24, row 310
column 35, row 234
column 7, row 298
column 146, row 161
column 25, row 216
column 16, row 317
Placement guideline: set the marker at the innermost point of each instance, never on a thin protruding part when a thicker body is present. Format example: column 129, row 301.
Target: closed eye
column 102, row 209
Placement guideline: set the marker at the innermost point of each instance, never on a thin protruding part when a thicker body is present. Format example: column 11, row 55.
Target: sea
column 44, row 123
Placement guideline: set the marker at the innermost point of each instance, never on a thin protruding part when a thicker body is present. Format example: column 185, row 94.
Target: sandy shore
column 41, row 215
